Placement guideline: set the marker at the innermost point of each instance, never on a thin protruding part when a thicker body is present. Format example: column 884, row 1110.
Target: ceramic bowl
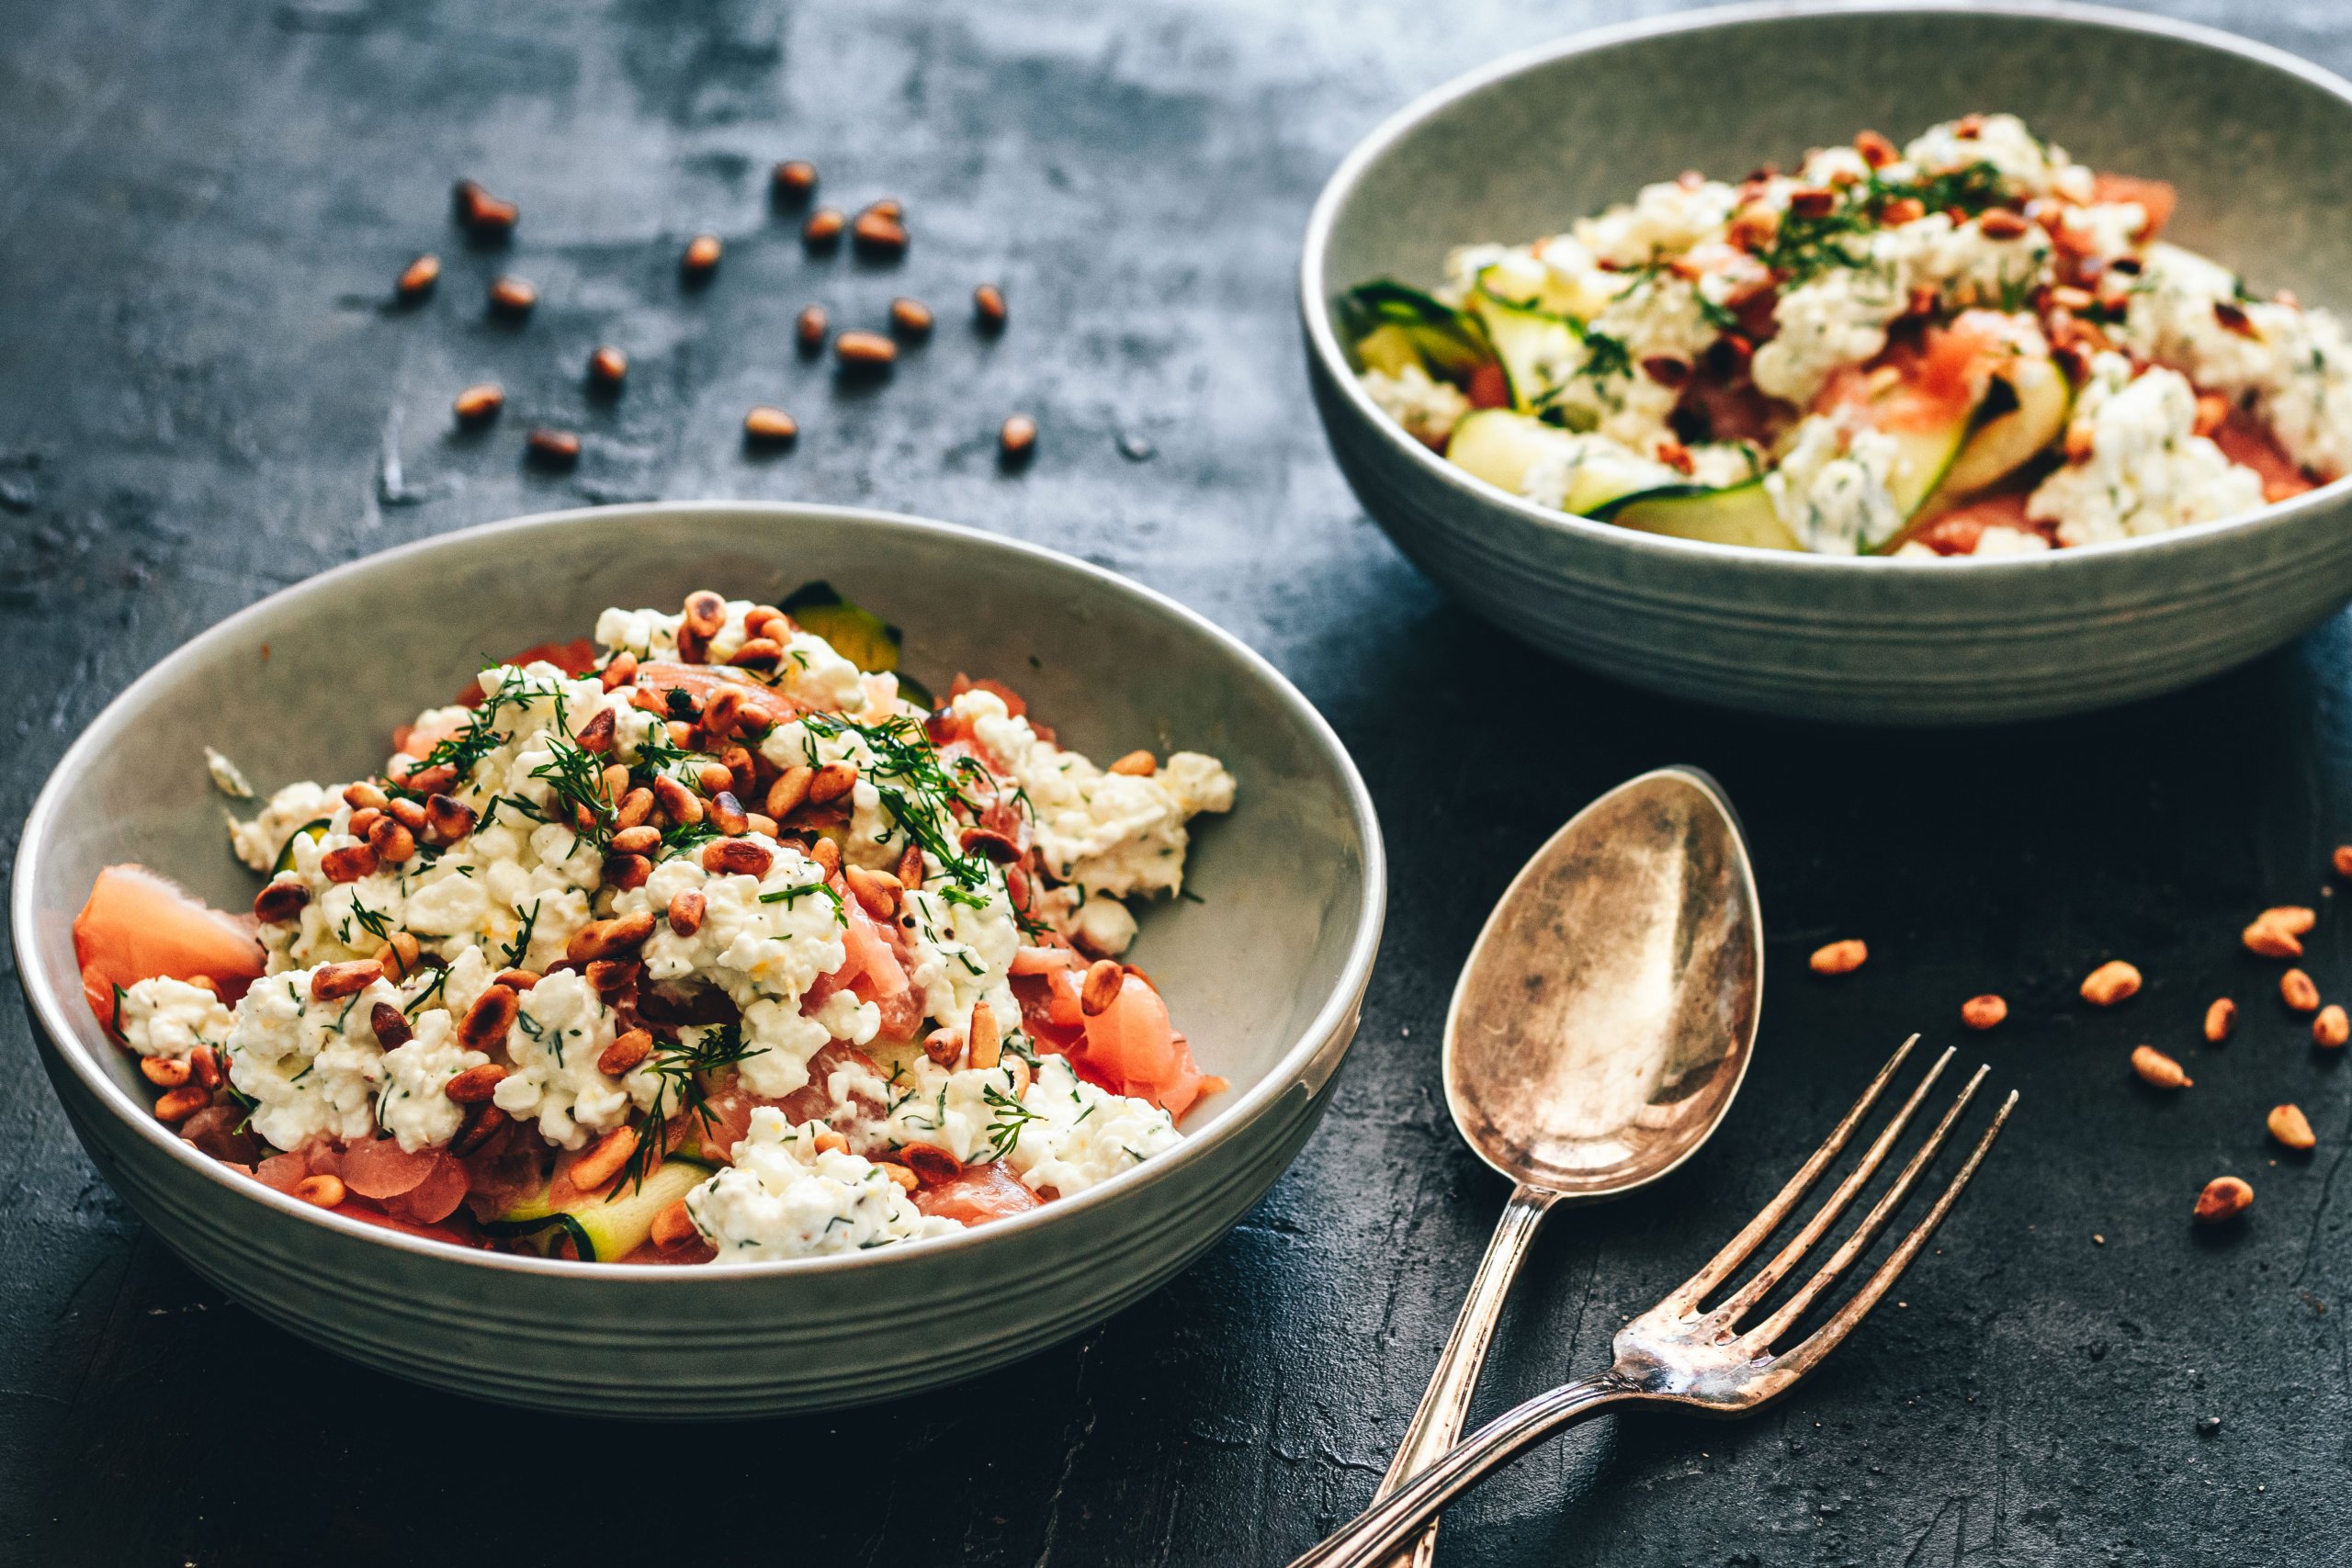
column 1267, row 974
column 2255, row 140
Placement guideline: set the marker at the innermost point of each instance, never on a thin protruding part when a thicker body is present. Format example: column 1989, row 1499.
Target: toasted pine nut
column 399, row 956
column 607, row 939
column 791, row 787
column 486, row 1022
column 1136, row 764
column 483, row 1123
column 642, row 839
column 701, row 258
column 795, row 179
column 362, row 794
column 736, row 857
column 832, row 1143
column 685, row 911
column 553, row 448
column 771, row 426
column 511, row 296
column 447, row 819
column 418, row 277
column 361, row 820
column 1105, row 980
column 879, row 233
column 876, row 890
column 165, row 1072
column 1968, row 127
column 931, row 1164
column 604, row 1159
column 911, row 318
column 2342, row 860
column 1840, row 958
column 280, row 903
column 2220, row 1017
column 182, row 1103
column 685, row 809
column 409, row 814
column 628, row 1049
column 624, row 872
column 2290, row 1126
column 823, row 229
column 988, row 304
column 860, row 350
column 205, row 1063
column 989, row 843
column 1982, row 1012
column 2293, row 919
column 2212, row 408
column 2270, row 941
column 475, row 1084
column 2298, row 990
column 328, row 981
column 1877, row 151
column 2332, row 1027
column 2224, row 1197
column 2153, row 1067
column 2110, row 983
column 635, row 808
column 517, row 980
column 714, row 777
column 757, row 653
column 831, row 782
column 889, row 207
column 595, row 737
column 907, row 1179
column 393, row 842
column 810, row 328
column 483, row 213
column 943, row 1046
column 1016, row 438
column 827, row 854
column 760, row 823
column 349, row 863
column 2000, row 223
column 390, row 1025
column 673, row 1227
column 987, row 1039
column 911, row 868
column 1813, row 201
column 321, row 1191
column 607, row 369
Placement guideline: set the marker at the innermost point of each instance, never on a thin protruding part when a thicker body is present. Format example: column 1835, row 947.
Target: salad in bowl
column 1968, row 345
column 709, row 937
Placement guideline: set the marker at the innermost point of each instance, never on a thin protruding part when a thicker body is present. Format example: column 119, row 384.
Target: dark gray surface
column 201, row 208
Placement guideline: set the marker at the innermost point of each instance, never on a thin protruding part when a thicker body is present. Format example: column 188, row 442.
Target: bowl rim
column 1323, row 345
column 55, row 1018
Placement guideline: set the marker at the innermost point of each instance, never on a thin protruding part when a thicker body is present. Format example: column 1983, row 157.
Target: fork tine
column 1821, row 1341
column 1737, row 1305
column 1686, row 1296
column 1854, row 1245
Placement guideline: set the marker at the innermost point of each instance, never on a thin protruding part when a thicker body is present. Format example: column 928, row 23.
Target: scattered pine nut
column 2343, row 859
column 604, row 1159
column 685, row 911
column 2332, row 1027
column 2291, row 1127
column 823, row 229
column 1136, row 764
column 988, row 305
column 511, row 296
column 907, row 1179
column 2271, row 941
column 2153, row 1067
column 943, row 1046
column 165, row 1072
column 1105, row 980
column 475, row 1084
column 418, row 277
column 182, row 1103
column 330, row 981
column 861, row 350
column 484, row 214
column 554, row 449
column 987, row 1041
column 833, row 781
column 2110, row 983
column 673, row 1227
column 1984, row 1012
column 2000, row 223
column 2219, row 1019
column 1018, row 438
column 480, row 403
column 2292, row 918
column 911, row 318
column 1877, row 151
column 607, row 369
column 809, row 327
column 2298, row 990
column 879, row 233
column 791, row 787
column 628, row 1049
column 701, row 258
column 769, row 426
column 2224, row 1197
column 321, row 1191
column 889, row 207
column 795, row 179
column 1840, row 958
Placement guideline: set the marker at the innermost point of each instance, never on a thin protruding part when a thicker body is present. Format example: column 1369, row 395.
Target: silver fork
column 1703, row 1361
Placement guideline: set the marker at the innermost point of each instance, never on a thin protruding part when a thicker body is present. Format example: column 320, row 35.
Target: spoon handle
column 1446, row 1405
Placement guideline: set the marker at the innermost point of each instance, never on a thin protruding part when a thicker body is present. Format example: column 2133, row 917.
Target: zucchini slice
column 1539, row 351
column 1388, row 325
column 313, row 830
column 2025, row 408
column 1736, row 515
column 601, row 1228
column 857, row 634
column 1500, row 446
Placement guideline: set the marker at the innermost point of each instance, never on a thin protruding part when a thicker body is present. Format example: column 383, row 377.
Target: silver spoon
column 1599, row 1030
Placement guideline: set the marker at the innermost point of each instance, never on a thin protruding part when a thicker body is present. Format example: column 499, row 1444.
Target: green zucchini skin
column 1453, row 345
column 315, row 829
column 602, row 1228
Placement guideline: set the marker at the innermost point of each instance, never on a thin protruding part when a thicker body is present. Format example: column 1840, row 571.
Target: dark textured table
column 203, row 397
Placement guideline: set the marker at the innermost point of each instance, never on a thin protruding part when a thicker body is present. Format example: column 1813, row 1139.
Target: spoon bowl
column 1603, row 1021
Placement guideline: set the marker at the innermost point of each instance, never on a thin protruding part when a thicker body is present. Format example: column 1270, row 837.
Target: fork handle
column 1445, row 1405
column 1389, row 1524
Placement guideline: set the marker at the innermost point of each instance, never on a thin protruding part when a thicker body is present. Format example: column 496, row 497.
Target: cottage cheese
column 1834, row 489
column 1665, row 218
column 785, row 1198
column 414, row 1104
column 312, row 1068
column 2026, row 165
column 163, row 1017
column 1082, row 1135
column 1428, row 409
column 2146, row 471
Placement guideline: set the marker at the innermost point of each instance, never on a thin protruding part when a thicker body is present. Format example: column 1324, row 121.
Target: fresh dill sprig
column 678, row 1072
column 1008, row 1117
column 520, row 947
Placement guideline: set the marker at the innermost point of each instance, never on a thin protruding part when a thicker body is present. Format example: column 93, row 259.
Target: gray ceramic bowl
column 2256, row 140
column 1267, row 974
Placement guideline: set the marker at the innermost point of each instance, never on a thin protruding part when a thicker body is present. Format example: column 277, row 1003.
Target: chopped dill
column 678, row 1071
column 520, row 947
column 1010, row 1116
